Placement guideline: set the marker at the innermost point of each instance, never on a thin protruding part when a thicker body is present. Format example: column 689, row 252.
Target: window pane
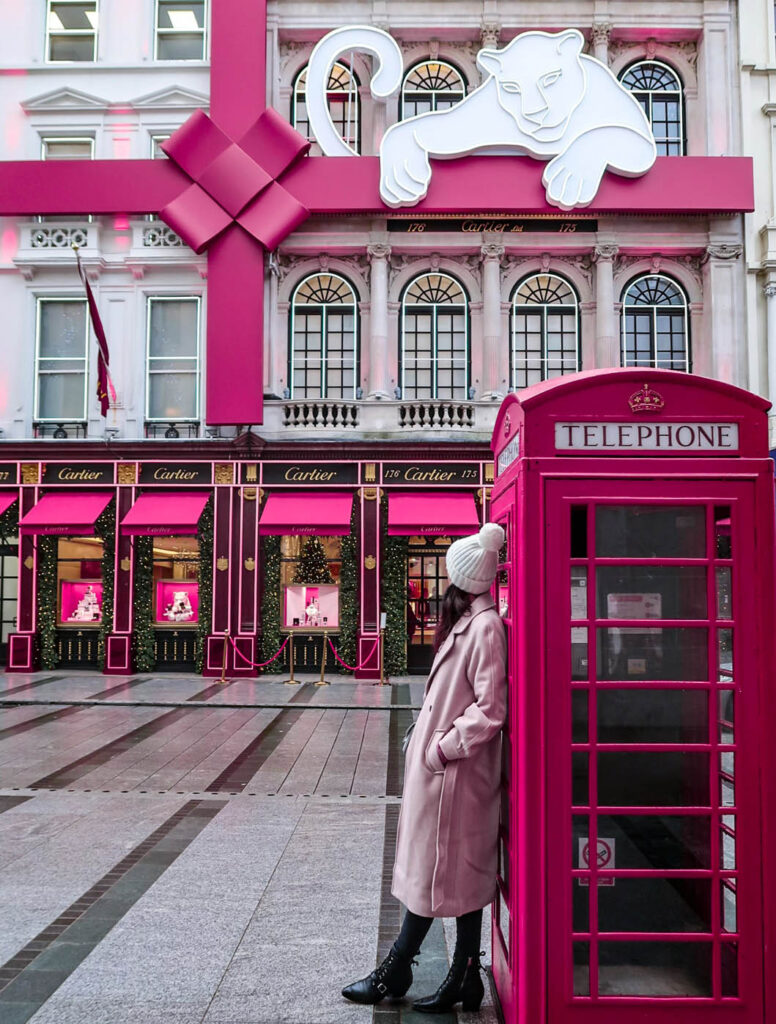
column 653, row 716
column 74, row 47
column 180, row 46
column 67, row 149
column 651, row 592
column 671, row 653
column 182, row 15
column 650, row 531
column 655, row 905
column 654, row 969
column 62, row 330
column 173, row 327
column 658, row 842
column 172, row 396
column 61, row 396
column 640, row 778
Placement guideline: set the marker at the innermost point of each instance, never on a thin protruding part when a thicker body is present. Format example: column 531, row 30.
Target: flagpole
column 106, row 392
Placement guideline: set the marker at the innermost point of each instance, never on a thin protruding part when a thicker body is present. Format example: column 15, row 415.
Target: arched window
column 323, row 350
column 545, row 330
column 431, row 85
column 658, row 89
column 654, row 324
column 434, row 339
column 344, row 105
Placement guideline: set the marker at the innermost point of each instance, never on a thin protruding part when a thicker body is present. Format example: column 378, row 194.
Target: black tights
column 468, row 929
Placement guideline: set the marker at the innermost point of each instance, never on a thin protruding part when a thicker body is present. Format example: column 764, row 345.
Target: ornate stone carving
column 370, row 472
column 490, row 33
column 222, row 564
column 492, row 251
column 126, row 472
column 769, row 290
column 249, row 493
column 605, row 252
column 125, row 564
column 251, row 472
column 370, row 562
column 286, row 264
column 724, row 251
column 600, row 33
column 223, row 473
column 29, row 472
column 378, row 250
column 581, row 263
column 250, row 564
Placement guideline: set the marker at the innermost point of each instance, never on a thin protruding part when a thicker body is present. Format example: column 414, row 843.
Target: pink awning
column 66, row 513
column 175, row 513
column 315, row 513
column 451, row 513
column 6, row 500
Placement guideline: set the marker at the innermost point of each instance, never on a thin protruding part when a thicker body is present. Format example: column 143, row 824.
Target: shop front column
column 600, row 37
column 222, row 569
column 492, row 332
column 379, row 369
column 607, row 346
column 722, row 286
column 369, row 624
column 118, row 651
column 22, row 655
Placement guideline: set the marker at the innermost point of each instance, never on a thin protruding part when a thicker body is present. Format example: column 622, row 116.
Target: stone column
column 769, row 291
column 378, row 334
column 492, row 336
column 607, row 343
column 600, row 39
column 722, row 288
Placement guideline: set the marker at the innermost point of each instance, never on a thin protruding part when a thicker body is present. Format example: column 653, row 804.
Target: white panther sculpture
column 543, row 97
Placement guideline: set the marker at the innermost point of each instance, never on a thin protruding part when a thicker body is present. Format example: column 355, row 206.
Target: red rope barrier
column 353, row 668
column 258, row 664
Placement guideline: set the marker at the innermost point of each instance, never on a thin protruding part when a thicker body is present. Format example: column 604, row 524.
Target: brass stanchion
column 223, row 660
column 322, row 681
column 382, row 676
column 291, row 657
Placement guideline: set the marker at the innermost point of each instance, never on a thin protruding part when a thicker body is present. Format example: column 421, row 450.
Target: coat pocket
column 431, row 754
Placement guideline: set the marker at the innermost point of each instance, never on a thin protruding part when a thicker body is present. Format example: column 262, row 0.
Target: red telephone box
column 638, row 830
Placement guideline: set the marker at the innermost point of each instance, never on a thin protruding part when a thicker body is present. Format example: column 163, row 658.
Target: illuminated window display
column 79, row 581
column 309, row 580
column 176, row 590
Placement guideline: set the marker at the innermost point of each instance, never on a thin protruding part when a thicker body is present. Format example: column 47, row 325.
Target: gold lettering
column 296, row 473
column 162, row 473
column 78, row 474
column 416, row 473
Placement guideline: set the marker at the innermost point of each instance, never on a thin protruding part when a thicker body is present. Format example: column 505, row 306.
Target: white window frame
column 323, row 307
column 36, row 397
column 435, row 307
column 433, row 93
column 652, row 93
column 44, row 139
column 71, row 32
column 653, row 310
column 542, row 309
column 196, row 418
column 176, row 31
column 158, row 137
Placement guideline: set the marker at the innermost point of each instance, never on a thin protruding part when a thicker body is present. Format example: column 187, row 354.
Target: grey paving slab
column 308, row 767
column 113, row 1011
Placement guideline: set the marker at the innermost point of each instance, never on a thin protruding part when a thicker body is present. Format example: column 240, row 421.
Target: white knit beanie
column 472, row 561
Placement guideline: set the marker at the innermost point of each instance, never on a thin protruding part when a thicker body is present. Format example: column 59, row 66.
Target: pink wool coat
column 447, row 834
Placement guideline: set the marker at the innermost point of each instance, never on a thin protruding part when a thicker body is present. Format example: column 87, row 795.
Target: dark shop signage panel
column 8, row 473
column 176, row 473
column 431, row 473
column 78, row 473
column 509, row 225
column 305, row 474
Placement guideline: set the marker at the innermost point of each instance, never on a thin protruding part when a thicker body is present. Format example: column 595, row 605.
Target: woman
column 447, row 834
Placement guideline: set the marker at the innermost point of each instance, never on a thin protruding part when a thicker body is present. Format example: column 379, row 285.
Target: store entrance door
column 653, row 801
column 426, row 585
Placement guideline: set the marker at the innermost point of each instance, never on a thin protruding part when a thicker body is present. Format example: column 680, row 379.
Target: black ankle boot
column 391, row 978
column 462, row 984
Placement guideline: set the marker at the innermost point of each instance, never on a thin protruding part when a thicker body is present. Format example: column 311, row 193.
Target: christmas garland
column 47, row 601
column 205, row 581
column 105, row 529
column 271, row 638
column 143, row 607
column 393, row 597
column 9, row 523
column 348, row 593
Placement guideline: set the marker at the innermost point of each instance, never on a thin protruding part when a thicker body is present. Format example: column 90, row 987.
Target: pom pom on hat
column 472, row 562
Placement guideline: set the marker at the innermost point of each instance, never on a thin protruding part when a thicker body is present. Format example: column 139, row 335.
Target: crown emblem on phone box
column 646, row 400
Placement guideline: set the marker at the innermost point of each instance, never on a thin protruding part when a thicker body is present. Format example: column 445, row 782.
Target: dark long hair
column 454, row 604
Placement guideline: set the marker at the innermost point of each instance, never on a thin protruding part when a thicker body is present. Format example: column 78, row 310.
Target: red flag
column 106, row 392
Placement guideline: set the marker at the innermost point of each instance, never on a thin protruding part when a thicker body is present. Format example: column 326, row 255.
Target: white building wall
column 126, row 96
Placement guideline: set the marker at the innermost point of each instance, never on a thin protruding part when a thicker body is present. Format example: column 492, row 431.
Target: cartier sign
column 175, row 473
column 308, row 474
column 436, row 473
column 646, row 437
column 82, row 473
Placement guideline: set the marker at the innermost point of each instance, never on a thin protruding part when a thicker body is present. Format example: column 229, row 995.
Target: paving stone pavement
column 176, row 850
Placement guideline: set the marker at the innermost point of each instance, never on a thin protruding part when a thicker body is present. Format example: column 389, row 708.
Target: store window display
column 309, row 580
column 176, row 590
column 79, row 581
